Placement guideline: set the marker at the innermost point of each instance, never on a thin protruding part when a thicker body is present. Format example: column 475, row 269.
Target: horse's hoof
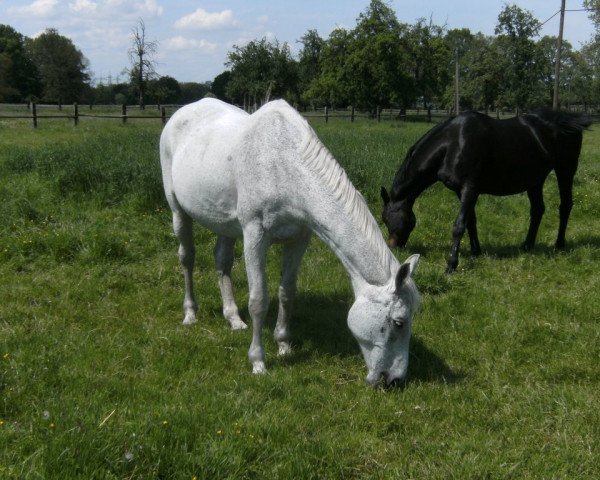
column 258, row 368
column 238, row 324
column 284, row 349
column 189, row 319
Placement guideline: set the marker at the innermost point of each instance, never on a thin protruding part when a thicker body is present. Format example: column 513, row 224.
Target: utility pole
column 558, row 51
column 456, row 82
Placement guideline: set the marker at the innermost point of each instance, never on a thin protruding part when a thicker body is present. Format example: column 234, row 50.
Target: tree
column 219, row 85
column 63, row 68
column 164, row 90
column 431, row 56
column 515, row 29
column 331, row 87
column 192, row 91
column 19, row 77
column 261, row 69
column 141, row 55
column 309, row 67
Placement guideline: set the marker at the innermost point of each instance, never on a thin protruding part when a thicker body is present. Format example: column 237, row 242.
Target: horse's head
column 398, row 218
column 381, row 319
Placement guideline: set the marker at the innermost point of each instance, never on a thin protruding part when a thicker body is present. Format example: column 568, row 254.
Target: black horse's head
column 398, row 218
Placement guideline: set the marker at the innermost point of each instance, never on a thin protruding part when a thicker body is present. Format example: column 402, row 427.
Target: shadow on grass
column 319, row 327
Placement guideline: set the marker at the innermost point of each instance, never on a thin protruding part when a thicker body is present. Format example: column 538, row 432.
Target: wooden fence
column 35, row 113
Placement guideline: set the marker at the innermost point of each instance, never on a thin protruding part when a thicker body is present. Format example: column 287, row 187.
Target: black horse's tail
column 566, row 122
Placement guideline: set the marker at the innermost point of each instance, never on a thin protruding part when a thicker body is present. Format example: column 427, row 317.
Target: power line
column 545, row 22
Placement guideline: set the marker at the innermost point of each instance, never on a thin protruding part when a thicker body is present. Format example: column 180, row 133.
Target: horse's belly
column 207, row 193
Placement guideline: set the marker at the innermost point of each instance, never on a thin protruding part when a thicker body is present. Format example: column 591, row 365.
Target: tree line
column 381, row 62
column 384, row 63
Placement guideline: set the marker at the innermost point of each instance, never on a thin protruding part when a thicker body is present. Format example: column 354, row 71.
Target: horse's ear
column 385, row 196
column 406, row 270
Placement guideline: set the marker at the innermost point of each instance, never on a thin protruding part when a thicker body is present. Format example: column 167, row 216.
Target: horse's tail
column 566, row 122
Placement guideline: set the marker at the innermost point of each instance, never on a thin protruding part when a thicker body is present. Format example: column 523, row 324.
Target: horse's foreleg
column 536, row 211
column 467, row 207
column 224, row 262
column 565, row 187
column 255, row 250
column 292, row 256
column 183, row 228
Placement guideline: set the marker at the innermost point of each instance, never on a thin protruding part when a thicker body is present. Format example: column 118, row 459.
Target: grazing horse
column 474, row 154
column 267, row 178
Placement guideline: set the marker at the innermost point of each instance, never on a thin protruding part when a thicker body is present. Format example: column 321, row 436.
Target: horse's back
column 195, row 145
column 222, row 166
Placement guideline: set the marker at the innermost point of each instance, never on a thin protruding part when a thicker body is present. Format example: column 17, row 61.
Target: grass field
column 99, row 379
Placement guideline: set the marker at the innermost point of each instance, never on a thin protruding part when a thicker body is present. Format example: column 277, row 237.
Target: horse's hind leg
column 292, row 256
column 565, row 188
column 224, row 263
column 536, row 211
column 183, row 228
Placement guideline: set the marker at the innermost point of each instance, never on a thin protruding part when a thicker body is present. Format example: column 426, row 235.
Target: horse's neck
column 340, row 216
column 356, row 240
column 415, row 178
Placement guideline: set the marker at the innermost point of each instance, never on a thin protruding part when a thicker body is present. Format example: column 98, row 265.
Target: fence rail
column 32, row 113
column 75, row 115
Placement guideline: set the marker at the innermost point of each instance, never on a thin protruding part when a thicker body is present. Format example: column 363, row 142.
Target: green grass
column 99, row 379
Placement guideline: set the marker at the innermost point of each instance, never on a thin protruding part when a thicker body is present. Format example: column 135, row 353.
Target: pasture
column 99, row 378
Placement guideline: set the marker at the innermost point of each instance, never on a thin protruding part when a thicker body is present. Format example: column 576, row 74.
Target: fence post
column 378, row 114
column 76, row 114
column 124, row 113
column 352, row 115
column 163, row 115
column 34, row 114
column 429, row 114
column 326, row 115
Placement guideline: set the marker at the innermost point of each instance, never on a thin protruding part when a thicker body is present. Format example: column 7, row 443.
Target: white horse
column 266, row 177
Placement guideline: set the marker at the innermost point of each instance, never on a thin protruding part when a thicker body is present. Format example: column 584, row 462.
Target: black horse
column 474, row 154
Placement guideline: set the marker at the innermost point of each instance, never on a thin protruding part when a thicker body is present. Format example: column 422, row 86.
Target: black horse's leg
column 472, row 230
column 536, row 210
column 565, row 187
column 467, row 208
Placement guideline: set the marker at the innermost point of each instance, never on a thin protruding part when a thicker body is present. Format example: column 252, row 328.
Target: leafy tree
column 309, row 67
column 431, row 56
column 192, row 91
column 331, row 87
column 377, row 62
column 63, row 68
column 141, row 55
column 164, row 90
column 261, row 69
column 219, row 86
column 19, row 77
column 515, row 29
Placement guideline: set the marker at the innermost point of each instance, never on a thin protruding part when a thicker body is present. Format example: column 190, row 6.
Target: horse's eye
column 399, row 323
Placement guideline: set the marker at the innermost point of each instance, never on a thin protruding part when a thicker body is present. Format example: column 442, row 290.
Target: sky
column 194, row 37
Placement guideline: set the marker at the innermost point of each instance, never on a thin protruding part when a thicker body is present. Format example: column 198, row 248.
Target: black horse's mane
column 408, row 161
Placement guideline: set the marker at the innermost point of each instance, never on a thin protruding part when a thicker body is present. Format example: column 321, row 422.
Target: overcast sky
column 195, row 36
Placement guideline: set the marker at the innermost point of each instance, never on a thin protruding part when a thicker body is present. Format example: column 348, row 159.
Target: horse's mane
column 319, row 160
column 566, row 122
column 409, row 161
